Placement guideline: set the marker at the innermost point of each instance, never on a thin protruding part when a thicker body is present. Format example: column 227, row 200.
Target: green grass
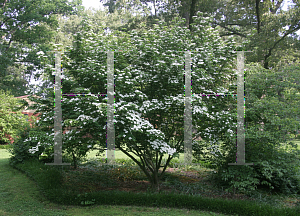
column 121, row 155
column 20, row 195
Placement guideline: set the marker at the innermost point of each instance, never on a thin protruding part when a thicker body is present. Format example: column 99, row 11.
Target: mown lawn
column 20, row 196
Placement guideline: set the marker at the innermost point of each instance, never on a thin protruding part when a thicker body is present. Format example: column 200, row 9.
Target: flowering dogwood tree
column 76, row 142
column 149, row 88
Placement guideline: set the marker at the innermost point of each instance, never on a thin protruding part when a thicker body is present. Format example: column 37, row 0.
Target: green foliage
column 278, row 171
column 50, row 181
column 201, row 151
column 8, row 146
column 76, row 143
column 10, row 123
column 143, row 73
column 275, row 167
column 36, row 26
column 20, row 150
column 262, row 23
column 2, row 142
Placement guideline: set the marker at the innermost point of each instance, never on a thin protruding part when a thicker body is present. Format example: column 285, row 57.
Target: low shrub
column 20, row 148
column 127, row 173
column 126, row 162
column 49, row 179
column 275, row 169
column 2, row 142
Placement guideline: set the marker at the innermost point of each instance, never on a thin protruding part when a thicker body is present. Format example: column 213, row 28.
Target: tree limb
column 4, row 3
column 238, row 24
column 137, row 162
column 18, row 9
column 273, row 11
column 5, row 21
column 129, row 155
column 274, row 45
column 10, row 40
column 165, row 166
column 229, row 29
column 222, row 35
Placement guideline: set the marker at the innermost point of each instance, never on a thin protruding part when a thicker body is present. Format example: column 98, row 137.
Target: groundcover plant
column 149, row 90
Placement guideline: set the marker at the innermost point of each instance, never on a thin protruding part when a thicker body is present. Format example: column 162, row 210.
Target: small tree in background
column 11, row 118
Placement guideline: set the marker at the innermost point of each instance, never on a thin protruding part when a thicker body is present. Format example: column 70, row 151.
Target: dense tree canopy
column 11, row 118
column 26, row 27
column 261, row 22
column 147, row 79
column 255, row 25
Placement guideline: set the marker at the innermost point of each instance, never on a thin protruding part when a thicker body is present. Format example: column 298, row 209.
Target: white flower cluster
column 74, row 99
column 206, row 71
column 85, row 117
column 143, row 125
column 34, row 149
column 163, row 147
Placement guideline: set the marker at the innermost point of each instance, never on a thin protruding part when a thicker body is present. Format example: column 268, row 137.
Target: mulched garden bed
column 85, row 180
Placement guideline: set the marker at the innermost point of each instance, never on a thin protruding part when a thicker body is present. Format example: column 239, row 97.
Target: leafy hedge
column 49, row 179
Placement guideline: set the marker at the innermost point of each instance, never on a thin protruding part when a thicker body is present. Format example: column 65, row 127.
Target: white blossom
column 130, row 112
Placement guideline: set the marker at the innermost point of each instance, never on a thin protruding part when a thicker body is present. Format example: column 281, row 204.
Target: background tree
column 25, row 27
column 70, row 25
column 143, row 76
column 260, row 22
column 138, row 13
column 271, row 119
column 11, row 118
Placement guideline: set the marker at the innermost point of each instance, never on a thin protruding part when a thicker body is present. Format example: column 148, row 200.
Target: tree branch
column 273, row 11
column 18, row 9
column 229, row 29
column 4, row 3
column 138, row 163
column 154, row 7
column 156, row 159
column 13, row 31
column 270, row 50
column 129, row 155
column 237, row 24
column 165, row 167
column 10, row 40
column 222, row 35
column 5, row 21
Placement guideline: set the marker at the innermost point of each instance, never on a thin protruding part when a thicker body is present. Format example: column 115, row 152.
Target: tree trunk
column 155, row 182
column 257, row 15
column 185, row 14
column 192, row 13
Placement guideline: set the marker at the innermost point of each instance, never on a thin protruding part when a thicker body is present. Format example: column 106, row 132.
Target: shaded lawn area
column 20, row 195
